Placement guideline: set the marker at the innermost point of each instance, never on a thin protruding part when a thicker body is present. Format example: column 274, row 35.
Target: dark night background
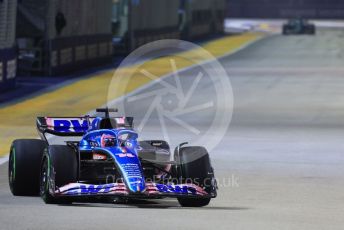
column 322, row 9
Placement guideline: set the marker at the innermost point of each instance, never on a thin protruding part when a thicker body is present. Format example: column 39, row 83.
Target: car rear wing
column 74, row 126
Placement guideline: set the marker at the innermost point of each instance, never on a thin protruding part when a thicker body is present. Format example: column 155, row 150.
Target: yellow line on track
column 18, row 120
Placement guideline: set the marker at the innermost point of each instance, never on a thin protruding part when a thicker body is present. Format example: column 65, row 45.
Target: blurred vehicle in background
column 298, row 26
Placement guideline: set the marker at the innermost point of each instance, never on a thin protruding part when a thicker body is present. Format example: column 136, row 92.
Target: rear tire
column 195, row 166
column 24, row 166
column 59, row 165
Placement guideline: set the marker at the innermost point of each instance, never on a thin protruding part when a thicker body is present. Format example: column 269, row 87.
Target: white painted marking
column 3, row 160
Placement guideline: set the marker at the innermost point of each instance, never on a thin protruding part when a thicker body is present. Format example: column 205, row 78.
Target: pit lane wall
column 64, row 35
column 202, row 18
column 89, row 26
column 8, row 61
column 151, row 20
column 86, row 38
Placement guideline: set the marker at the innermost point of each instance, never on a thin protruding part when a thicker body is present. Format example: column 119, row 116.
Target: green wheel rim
column 13, row 165
column 48, row 173
column 45, row 174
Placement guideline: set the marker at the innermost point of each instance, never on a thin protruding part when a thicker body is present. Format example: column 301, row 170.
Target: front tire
column 24, row 166
column 59, row 168
column 195, row 166
column 194, row 202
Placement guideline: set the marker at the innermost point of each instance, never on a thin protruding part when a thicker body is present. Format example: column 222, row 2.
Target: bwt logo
column 70, row 125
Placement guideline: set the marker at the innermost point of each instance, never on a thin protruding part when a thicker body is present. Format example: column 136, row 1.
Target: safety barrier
column 8, row 68
column 75, row 53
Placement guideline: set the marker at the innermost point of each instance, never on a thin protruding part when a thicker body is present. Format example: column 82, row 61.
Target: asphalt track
column 283, row 150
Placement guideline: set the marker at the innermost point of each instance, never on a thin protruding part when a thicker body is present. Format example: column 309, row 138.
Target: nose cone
column 136, row 185
column 131, row 170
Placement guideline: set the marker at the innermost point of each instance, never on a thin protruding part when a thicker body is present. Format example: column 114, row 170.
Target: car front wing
column 120, row 189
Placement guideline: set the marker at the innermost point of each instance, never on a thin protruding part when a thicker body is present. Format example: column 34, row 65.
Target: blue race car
column 108, row 162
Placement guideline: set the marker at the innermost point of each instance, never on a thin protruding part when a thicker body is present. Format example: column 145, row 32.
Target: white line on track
column 3, row 160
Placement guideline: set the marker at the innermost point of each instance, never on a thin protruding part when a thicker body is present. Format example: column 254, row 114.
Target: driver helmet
column 108, row 140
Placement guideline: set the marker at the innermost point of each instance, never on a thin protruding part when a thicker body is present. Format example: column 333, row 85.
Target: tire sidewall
column 60, row 161
column 195, row 167
column 24, row 166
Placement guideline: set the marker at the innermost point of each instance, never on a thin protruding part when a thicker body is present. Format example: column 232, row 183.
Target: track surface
column 284, row 148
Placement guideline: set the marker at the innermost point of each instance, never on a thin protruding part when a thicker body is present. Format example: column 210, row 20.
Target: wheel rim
column 44, row 178
column 12, row 168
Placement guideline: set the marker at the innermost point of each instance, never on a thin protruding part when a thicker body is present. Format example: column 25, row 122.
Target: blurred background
column 55, row 37
column 58, row 37
column 328, row 9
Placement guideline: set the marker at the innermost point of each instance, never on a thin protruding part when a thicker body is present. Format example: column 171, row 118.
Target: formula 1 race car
column 108, row 161
column 298, row 26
